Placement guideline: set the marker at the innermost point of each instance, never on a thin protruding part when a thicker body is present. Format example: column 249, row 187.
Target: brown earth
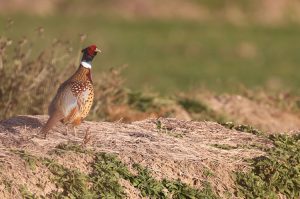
column 181, row 149
column 263, row 116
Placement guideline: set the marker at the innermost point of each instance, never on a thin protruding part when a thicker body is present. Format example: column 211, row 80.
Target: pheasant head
column 88, row 55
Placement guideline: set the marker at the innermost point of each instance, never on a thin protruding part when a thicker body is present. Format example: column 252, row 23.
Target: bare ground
column 263, row 116
column 181, row 150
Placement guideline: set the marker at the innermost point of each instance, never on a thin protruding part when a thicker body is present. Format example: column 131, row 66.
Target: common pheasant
column 74, row 97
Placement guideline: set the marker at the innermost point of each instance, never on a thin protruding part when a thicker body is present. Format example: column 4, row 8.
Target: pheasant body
column 73, row 99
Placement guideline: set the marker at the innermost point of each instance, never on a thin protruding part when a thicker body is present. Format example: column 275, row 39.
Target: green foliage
column 111, row 169
column 28, row 158
column 219, row 48
column 26, row 194
column 242, row 128
column 181, row 190
column 61, row 148
column 193, row 105
column 103, row 181
column 105, row 176
column 148, row 185
column 141, row 101
column 277, row 172
column 207, row 172
column 73, row 183
column 199, row 110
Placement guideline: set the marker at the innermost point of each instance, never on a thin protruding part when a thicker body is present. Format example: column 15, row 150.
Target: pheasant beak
column 98, row 50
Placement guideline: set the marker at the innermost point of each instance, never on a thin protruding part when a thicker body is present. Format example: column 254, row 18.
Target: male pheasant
column 74, row 97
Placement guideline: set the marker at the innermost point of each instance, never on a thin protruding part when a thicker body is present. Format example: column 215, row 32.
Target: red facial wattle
column 91, row 50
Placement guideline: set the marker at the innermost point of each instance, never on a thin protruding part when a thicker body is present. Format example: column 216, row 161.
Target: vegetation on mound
column 62, row 148
column 275, row 173
column 167, row 130
column 199, row 110
column 104, row 180
column 224, row 146
column 242, row 128
column 26, row 194
column 73, row 183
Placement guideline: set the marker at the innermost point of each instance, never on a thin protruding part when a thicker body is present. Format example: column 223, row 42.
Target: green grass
column 177, row 55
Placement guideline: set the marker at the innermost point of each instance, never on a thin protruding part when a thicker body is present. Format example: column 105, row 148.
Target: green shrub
column 276, row 172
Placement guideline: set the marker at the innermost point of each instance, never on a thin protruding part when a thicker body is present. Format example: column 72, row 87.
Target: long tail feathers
column 53, row 119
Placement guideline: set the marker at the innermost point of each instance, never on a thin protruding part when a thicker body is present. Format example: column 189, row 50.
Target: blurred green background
column 176, row 45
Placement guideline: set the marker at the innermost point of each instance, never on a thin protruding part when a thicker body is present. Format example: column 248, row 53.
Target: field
column 174, row 55
column 193, row 99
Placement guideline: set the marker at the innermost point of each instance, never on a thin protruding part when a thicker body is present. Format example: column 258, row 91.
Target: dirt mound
column 260, row 115
column 171, row 149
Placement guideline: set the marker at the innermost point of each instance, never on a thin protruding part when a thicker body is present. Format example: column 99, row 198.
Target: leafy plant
column 242, row 128
column 103, row 181
column 64, row 147
column 28, row 158
column 277, row 172
column 180, row 190
column 105, row 176
column 73, row 183
column 148, row 185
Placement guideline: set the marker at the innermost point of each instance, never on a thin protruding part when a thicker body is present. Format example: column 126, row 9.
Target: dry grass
column 27, row 82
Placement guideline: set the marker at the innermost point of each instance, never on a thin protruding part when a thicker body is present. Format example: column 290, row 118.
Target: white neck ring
column 86, row 64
